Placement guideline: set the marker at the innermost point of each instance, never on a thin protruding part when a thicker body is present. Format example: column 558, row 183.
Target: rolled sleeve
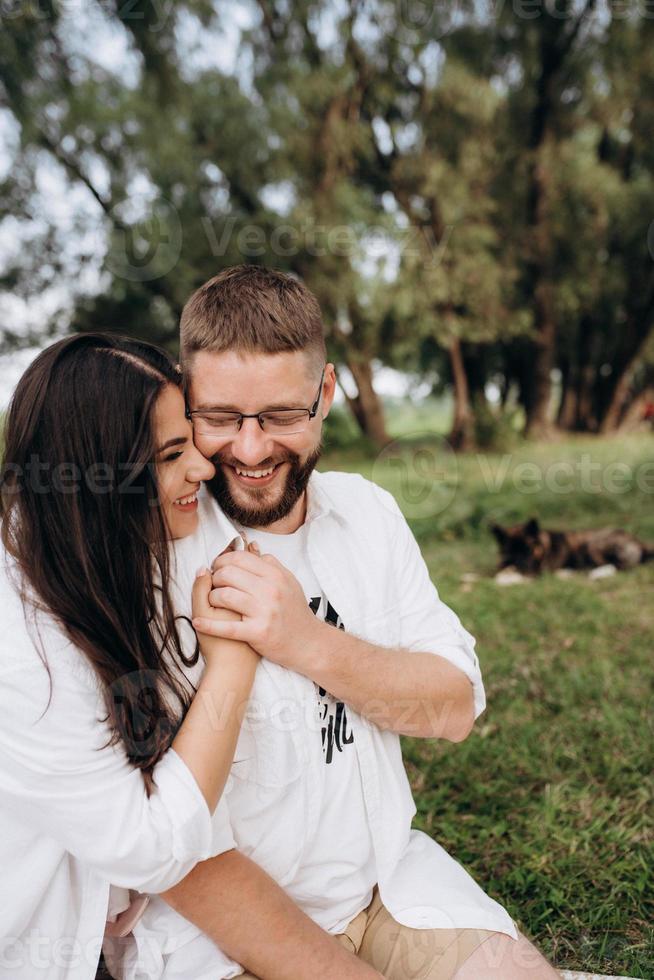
column 179, row 794
column 426, row 623
column 222, row 836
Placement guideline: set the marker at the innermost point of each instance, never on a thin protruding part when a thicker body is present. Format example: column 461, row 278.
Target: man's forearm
column 419, row 694
column 246, row 913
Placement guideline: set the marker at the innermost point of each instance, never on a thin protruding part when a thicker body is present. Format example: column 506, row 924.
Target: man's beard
column 264, row 514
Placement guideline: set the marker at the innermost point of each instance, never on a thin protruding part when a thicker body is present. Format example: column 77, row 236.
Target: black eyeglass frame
column 260, row 416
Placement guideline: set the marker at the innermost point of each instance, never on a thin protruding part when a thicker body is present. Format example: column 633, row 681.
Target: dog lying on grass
column 531, row 549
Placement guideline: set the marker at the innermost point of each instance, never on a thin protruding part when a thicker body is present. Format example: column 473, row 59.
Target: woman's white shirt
column 74, row 813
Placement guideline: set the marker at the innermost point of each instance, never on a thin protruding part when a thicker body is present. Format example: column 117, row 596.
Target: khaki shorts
column 401, row 953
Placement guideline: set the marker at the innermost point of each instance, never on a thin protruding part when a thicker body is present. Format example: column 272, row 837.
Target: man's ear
column 328, row 389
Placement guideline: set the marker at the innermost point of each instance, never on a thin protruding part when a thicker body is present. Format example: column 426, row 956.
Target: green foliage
column 503, row 162
column 495, row 428
column 341, row 432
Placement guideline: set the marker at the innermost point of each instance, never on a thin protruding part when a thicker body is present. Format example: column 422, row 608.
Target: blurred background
column 468, row 188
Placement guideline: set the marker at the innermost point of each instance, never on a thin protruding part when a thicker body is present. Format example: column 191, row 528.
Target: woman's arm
column 206, row 741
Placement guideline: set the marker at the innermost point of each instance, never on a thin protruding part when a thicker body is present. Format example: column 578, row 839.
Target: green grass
column 549, row 802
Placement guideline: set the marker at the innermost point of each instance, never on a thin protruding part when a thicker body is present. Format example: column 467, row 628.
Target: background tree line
column 467, row 187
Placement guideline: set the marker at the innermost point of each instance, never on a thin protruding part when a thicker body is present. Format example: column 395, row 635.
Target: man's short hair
column 249, row 308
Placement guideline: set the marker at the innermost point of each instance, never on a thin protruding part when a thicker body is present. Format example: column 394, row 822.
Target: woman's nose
column 200, row 468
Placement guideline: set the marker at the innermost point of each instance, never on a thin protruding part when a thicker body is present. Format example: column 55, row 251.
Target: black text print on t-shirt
column 334, row 730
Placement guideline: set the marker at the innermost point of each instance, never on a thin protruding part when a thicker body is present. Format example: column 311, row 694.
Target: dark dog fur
column 532, row 550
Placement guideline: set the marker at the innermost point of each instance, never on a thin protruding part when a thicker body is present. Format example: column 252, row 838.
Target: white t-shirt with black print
column 339, row 861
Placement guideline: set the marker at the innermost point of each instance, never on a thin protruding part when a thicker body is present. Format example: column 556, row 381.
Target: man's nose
column 251, row 444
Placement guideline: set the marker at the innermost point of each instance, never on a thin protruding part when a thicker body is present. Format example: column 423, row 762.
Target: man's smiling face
column 261, row 474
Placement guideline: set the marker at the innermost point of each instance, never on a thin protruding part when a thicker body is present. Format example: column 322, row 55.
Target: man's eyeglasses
column 287, row 421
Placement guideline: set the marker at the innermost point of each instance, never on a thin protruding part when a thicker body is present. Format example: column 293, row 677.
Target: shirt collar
column 319, row 505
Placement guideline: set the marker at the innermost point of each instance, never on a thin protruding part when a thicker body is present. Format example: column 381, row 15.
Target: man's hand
column 276, row 619
column 412, row 693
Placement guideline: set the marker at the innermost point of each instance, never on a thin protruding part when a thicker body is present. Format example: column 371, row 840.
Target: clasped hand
column 276, row 619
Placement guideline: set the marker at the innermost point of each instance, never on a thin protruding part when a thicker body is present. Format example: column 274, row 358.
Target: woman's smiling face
column 180, row 467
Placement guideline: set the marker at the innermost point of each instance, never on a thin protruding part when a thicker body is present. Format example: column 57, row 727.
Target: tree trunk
column 474, row 364
column 538, row 420
column 610, row 420
column 568, row 404
column 634, row 414
column 366, row 405
column 462, row 432
column 517, row 375
column 505, row 389
column 612, row 416
column 585, row 419
column 556, row 41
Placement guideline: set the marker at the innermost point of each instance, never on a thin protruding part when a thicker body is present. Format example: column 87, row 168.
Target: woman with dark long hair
column 111, row 769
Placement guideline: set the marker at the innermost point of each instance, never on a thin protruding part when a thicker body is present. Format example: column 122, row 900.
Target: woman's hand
column 212, row 647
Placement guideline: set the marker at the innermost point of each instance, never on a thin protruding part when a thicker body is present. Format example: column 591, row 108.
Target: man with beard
column 357, row 648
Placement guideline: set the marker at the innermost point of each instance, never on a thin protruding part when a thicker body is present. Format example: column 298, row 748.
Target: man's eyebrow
column 278, row 408
column 210, row 407
column 237, row 411
column 177, row 441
